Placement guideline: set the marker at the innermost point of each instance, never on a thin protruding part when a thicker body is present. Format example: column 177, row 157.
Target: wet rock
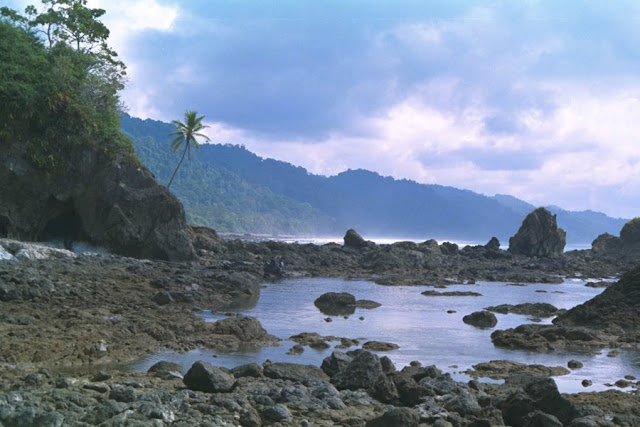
column 395, row 417
column 164, row 369
column 336, row 303
column 430, row 293
column 367, row 304
column 481, row 319
column 380, row 346
column 334, row 363
column 203, row 376
column 500, row 369
column 319, row 345
column 574, row 364
column 296, row 349
column 546, row 338
column 275, row 413
column 539, row 309
column 630, row 235
column 616, row 306
column 448, row 248
column 463, row 403
column 248, row 370
column 387, row 365
column 606, row 244
column 353, row 240
column 493, row 244
column 361, row 373
column 294, row 372
column 541, row 419
column 242, row 327
column 122, row 394
column 539, row 236
column 536, row 393
column 274, row 269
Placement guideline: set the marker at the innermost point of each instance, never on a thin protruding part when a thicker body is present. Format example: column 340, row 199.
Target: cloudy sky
column 537, row 99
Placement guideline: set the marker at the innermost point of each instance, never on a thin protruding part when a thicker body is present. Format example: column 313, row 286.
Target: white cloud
column 587, row 147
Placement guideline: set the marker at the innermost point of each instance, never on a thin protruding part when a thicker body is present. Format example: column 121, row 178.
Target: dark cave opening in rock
column 4, row 226
column 66, row 227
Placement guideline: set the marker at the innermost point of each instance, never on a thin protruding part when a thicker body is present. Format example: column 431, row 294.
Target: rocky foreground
column 68, row 321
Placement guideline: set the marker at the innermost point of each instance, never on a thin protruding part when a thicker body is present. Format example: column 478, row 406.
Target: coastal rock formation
column 245, row 328
column 336, row 303
column 545, row 338
column 493, row 244
column 630, row 234
column 353, row 240
column 539, row 236
column 203, row 376
column 501, row 369
column 110, row 202
column 608, row 246
column 539, row 309
column 481, row 319
column 616, row 308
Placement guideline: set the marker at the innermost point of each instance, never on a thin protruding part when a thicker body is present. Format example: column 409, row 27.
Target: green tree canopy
column 60, row 82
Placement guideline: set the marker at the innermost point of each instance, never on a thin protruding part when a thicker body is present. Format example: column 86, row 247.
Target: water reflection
column 427, row 329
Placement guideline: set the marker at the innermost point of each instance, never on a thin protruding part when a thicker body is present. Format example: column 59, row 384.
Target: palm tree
column 186, row 133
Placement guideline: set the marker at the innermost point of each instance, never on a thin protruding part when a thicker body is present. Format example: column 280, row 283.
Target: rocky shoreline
column 67, row 317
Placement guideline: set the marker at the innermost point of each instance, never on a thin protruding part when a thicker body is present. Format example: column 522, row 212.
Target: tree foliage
column 186, row 133
column 60, row 82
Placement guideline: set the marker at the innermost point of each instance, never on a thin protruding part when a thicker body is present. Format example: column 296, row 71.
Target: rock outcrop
column 336, row 303
column 615, row 308
column 354, row 240
column 481, row 319
column 111, row 202
column 628, row 244
column 539, row 236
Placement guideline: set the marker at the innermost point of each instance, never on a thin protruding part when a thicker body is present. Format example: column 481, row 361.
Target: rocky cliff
column 113, row 202
column 627, row 245
column 539, row 236
column 617, row 306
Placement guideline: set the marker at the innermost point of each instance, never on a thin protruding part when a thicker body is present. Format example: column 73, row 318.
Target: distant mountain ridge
column 231, row 189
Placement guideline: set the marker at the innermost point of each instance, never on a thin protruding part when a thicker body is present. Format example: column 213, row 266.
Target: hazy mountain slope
column 232, row 189
column 215, row 196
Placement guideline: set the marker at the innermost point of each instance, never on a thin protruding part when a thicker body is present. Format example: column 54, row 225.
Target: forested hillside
column 231, row 189
column 217, row 197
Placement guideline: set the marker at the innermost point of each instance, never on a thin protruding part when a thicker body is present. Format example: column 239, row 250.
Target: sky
column 536, row 99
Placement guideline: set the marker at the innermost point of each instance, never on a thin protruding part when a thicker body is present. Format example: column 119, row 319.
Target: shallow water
column 420, row 325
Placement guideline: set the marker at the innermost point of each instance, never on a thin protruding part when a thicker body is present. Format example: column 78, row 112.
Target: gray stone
column 332, row 364
column 404, row 417
column 203, row 376
column 481, row 319
column 539, row 236
column 294, row 372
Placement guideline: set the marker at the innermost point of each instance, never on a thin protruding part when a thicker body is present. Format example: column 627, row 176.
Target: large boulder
column 606, row 244
column 481, row 319
column 617, row 306
column 336, row 303
column 363, row 372
column 354, row 240
column 203, row 376
column 539, row 236
column 244, row 328
column 108, row 201
column 630, row 234
column 533, row 394
column 294, row 372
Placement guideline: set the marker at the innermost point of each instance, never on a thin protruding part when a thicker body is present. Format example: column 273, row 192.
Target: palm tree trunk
column 179, row 163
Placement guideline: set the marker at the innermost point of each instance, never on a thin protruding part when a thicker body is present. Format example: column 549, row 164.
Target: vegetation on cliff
column 60, row 82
